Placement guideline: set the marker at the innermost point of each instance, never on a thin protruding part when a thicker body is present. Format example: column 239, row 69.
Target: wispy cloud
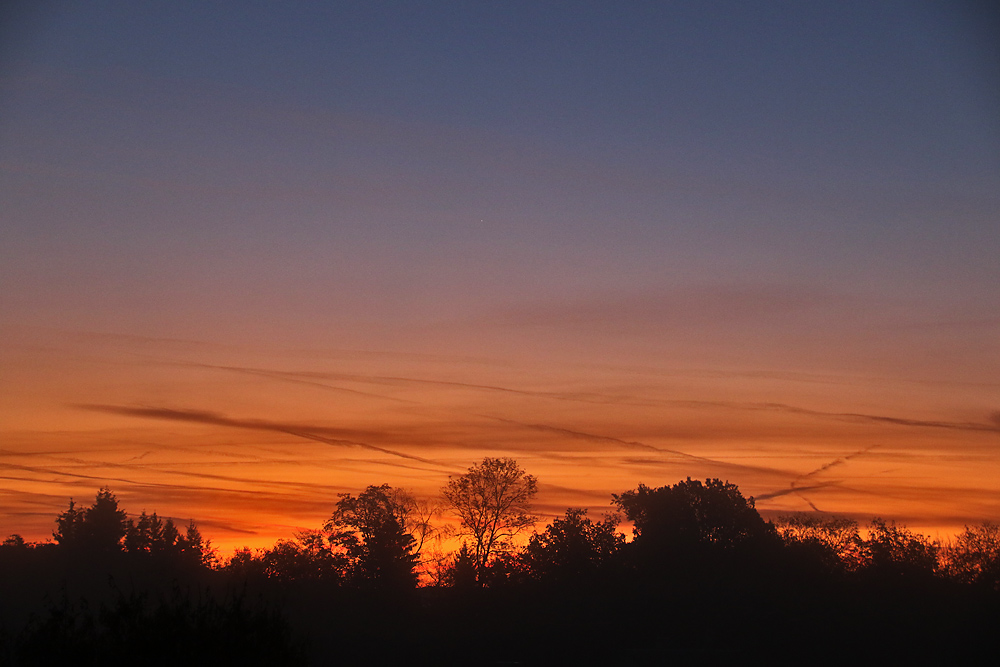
column 991, row 425
column 883, row 419
column 693, row 306
column 324, row 434
column 635, row 444
column 311, row 379
column 314, row 377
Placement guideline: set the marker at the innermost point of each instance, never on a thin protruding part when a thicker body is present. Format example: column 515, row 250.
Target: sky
column 256, row 254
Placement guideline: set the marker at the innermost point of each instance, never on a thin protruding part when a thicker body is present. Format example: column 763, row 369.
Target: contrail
column 836, row 462
column 634, row 444
column 798, row 490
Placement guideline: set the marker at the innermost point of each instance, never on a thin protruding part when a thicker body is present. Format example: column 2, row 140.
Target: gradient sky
column 256, row 254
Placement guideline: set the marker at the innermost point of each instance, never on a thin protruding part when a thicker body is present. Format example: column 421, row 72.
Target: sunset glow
column 246, row 265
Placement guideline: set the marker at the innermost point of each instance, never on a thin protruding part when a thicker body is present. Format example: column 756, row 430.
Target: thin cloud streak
column 298, row 430
column 693, row 306
column 299, row 378
column 882, row 419
column 293, row 376
column 782, row 456
column 848, row 416
column 302, row 377
column 255, row 497
column 633, row 444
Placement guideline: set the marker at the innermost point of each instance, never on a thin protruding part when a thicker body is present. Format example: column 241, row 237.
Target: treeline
column 103, row 529
column 704, row 578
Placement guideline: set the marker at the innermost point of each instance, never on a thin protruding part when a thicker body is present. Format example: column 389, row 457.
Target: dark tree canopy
column 104, row 528
column 104, row 522
column 704, row 576
column 371, row 530
column 895, row 551
column 14, row 541
column 461, row 572
column 573, row 547
column 97, row 529
column 692, row 515
column 306, row 558
column 150, row 534
column 974, row 556
column 833, row 541
column 69, row 526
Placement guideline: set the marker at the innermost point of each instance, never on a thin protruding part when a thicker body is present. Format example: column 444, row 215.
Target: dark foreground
column 705, row 580
column 138, row 613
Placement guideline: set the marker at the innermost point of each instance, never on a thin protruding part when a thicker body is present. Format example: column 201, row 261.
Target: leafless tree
column 493, row 502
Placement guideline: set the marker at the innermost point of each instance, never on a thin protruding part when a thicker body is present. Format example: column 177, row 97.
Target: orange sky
column 254, row 255
column 254, row 444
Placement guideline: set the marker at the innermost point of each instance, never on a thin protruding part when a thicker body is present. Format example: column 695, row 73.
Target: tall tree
column 69, row 526
column 371, row 529
column 98, row 529
column 493, row 502
column 145, row 534
column 194, row 548
column 104, row 522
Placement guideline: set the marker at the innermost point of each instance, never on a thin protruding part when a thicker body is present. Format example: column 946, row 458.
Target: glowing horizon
column 255, row 446
column 252, row 257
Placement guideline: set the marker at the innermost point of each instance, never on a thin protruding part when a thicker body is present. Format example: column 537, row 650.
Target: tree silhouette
column 152, row 536
column 834, row 541
column 492, row 501
column 104, row 522
column 974, row 556
column 306, row 558
column 705, row 575
column 695, row 526
column 14, row 541
column 893, row 551
column 140, row 534
column 69, row 526
column 573, row 547
column 245, row 564
column 99, row 529
column 691, row 512
column 371, row 529
column 461, row 571
column 103, row 528
column 195, row 549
